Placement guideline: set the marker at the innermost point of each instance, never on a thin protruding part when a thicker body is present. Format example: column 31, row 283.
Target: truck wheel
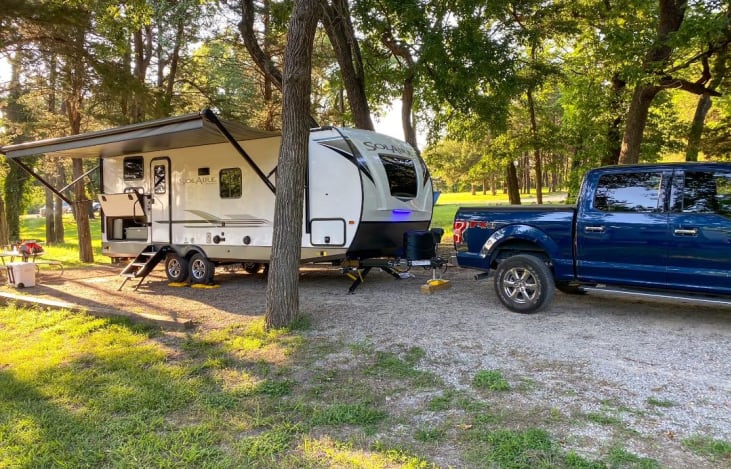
column 251, row 267
column 176, row 268
column 201, row 269
column 524, row 283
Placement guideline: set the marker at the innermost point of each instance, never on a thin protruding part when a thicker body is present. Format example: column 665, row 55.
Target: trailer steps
column 143, row 264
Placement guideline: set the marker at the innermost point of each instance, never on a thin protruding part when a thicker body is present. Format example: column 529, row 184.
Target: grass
column 448, row 203
column 78, row 391
column 34, row 227
column 491, row 380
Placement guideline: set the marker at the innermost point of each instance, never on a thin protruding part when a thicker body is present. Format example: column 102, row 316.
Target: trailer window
column 160, row 176
column 401, row 173
column 134, row 168
column 230, row 185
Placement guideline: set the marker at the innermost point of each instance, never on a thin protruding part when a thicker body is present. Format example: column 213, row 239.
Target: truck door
column 700, row 228
column 160, row 198
column 622, row 232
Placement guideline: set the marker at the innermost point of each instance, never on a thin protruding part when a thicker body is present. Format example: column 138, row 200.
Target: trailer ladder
column 143, row 264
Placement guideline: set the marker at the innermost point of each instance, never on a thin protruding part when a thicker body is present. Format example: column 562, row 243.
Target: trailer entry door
column 160, row 197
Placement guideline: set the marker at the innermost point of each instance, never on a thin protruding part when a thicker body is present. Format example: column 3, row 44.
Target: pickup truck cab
column 662, row 228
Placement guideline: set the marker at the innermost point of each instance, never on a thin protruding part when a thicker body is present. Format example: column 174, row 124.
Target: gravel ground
column 593, row 353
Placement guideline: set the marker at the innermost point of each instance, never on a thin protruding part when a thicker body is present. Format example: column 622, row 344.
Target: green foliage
column 491, row 380
column 719, row 450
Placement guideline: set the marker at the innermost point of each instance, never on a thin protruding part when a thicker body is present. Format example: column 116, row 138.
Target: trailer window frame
column 230, row 185
column 133, row 168
column 402, row 176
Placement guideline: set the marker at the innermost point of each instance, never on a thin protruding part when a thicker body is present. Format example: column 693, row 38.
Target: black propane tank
column 419, row 244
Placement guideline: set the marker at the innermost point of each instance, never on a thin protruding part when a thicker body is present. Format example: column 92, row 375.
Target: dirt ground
column 586, row 354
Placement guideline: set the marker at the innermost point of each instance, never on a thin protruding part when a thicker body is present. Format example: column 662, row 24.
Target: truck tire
column 524, row 283
column 252, row 267
column 201, row 269
column 176, row 268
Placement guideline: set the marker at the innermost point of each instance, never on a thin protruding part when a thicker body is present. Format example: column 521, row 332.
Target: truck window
column 230, row 183
column 401, row 174
column 629, row 192
column 704, row 192
column 160, row 179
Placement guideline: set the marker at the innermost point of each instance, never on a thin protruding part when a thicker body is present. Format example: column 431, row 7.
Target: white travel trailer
column 198, row 192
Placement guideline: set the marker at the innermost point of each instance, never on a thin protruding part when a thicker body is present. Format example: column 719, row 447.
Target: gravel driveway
column 660, row 368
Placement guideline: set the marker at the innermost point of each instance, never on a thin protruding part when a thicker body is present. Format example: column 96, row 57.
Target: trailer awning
column 159, row 135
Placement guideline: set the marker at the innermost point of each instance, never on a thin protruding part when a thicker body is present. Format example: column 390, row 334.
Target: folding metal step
column 143, row 264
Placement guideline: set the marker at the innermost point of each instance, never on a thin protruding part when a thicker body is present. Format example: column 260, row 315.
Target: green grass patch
column 709, row 447
column 391, row 365
column 491, row 380
column 531, row 448
column 361, row 413
column 603, row 419
column 653, row 401
column 619, row 457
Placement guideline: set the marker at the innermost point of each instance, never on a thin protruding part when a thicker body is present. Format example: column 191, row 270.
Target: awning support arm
column 211, row 117
column 48, row 185
column 79, row 178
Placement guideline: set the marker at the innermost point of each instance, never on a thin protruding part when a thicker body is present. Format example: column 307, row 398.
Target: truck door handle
column 686, row 232
column 594, row 229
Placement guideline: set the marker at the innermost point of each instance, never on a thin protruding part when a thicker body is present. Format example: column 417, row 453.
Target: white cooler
column 22, row 274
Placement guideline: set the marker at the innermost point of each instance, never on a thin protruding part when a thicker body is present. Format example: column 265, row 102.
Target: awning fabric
column 159, row 135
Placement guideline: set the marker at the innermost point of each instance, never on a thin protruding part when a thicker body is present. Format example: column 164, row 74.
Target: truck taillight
column 458, row 230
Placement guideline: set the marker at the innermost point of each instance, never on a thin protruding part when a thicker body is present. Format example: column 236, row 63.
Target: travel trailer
column 196, row 191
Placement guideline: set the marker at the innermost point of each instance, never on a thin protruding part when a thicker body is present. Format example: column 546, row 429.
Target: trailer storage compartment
column 138, row 233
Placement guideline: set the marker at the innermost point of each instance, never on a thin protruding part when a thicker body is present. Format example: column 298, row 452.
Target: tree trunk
column 636, row 122
column 81, row 211
column 400, row 51
column 614, row 133
column 536, row 148
column 705, row 103
column 4, row 239
column 340, row 31
column 282, row 293
column 75, row 74
column 671, row 17
column 16, row 178
column 513, row 188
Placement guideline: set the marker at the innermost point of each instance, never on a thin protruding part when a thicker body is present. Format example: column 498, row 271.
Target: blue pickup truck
column 649, row 229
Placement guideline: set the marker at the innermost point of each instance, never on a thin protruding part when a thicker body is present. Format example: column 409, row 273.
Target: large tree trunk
column 614, row 133
column 75, row 74
column 672, row 13
column 636, row 121
column 282, row 294
column 705, row 103
column 340, row 31
column 407, row 95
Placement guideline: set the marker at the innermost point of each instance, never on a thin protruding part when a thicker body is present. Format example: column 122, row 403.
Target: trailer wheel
column 201, row 269
column 524, row 283
column 251, row 267
column 176, row 268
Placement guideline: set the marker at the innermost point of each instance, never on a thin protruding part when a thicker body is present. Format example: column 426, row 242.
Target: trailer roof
column 163, row 134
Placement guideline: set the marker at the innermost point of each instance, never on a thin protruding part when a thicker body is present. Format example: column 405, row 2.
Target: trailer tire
column 251, row 267
column 176, row 267
column 524, row 283
column 201, row 269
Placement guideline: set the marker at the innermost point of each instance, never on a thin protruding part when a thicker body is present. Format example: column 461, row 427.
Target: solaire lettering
column 201, row 180
column 400, row 149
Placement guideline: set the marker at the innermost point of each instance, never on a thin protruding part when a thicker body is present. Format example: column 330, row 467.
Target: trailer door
column 160, row 197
